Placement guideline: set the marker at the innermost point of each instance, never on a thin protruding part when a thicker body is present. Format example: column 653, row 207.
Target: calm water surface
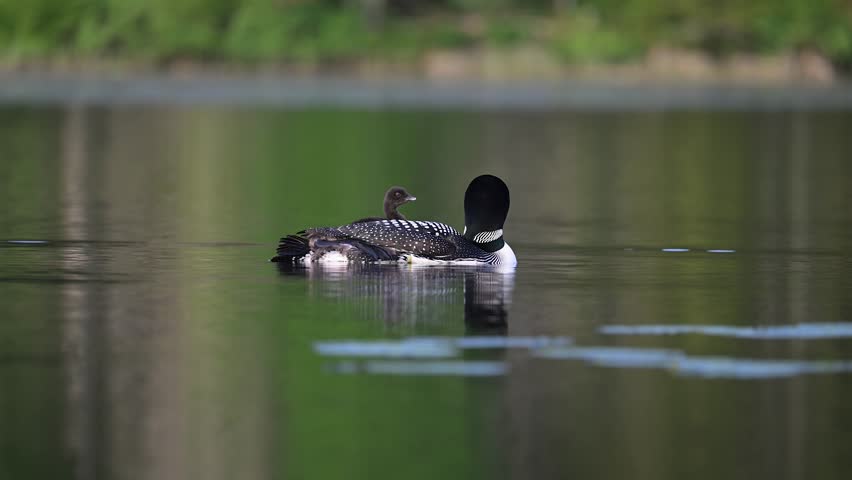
column 144, row 335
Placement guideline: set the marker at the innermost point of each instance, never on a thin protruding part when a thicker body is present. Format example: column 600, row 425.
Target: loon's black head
column 395, row 197
column 486, row 204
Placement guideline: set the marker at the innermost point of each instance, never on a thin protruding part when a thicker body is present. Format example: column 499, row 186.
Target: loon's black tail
column 290, row 248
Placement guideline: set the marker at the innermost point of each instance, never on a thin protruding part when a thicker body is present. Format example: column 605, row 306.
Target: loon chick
column 395, row 197
column 486, row 205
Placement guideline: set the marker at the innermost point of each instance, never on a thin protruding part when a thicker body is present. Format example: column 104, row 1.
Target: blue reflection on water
column 801, row 331
column 409, row 348
column 430, row 347
column 615, row 356
column 424, row 350
column 693, row 366
column 722, row 367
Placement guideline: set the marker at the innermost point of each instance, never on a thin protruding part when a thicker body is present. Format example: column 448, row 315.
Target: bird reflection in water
column 412, row 295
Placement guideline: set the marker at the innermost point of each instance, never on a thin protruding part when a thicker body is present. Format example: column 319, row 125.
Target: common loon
column 395, row 197
column 486, row 204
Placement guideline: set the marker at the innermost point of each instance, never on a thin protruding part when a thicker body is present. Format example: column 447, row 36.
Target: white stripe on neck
column 485, row 237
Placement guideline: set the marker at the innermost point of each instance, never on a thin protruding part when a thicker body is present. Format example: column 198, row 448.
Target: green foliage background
column 578, row 31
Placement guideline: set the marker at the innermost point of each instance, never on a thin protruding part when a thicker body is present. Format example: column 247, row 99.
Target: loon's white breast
column 506, row 256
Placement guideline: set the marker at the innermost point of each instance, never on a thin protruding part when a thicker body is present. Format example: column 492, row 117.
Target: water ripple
column 428, row 368
column 486, row 342
column 27, row 242
column 614, row 356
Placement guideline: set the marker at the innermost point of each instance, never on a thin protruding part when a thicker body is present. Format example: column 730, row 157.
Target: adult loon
column 395, row 197
column 486, row 204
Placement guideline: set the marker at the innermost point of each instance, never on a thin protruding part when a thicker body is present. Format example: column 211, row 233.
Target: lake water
column 680, row 309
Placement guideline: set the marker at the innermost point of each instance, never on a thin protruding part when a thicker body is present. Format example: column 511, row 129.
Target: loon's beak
column 411, row 199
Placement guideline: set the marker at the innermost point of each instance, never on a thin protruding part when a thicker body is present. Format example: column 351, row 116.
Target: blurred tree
column 329, row 30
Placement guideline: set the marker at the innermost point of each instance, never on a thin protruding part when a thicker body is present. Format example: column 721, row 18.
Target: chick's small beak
column 411, row 198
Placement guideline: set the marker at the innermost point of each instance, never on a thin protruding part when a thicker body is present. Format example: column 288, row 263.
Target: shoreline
column 326, row 90
column 659, row 66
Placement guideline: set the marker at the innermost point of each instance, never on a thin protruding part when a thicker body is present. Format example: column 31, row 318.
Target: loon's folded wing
column 427, row 239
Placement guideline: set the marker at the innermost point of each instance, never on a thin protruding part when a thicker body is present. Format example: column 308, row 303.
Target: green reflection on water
column 137, row 344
